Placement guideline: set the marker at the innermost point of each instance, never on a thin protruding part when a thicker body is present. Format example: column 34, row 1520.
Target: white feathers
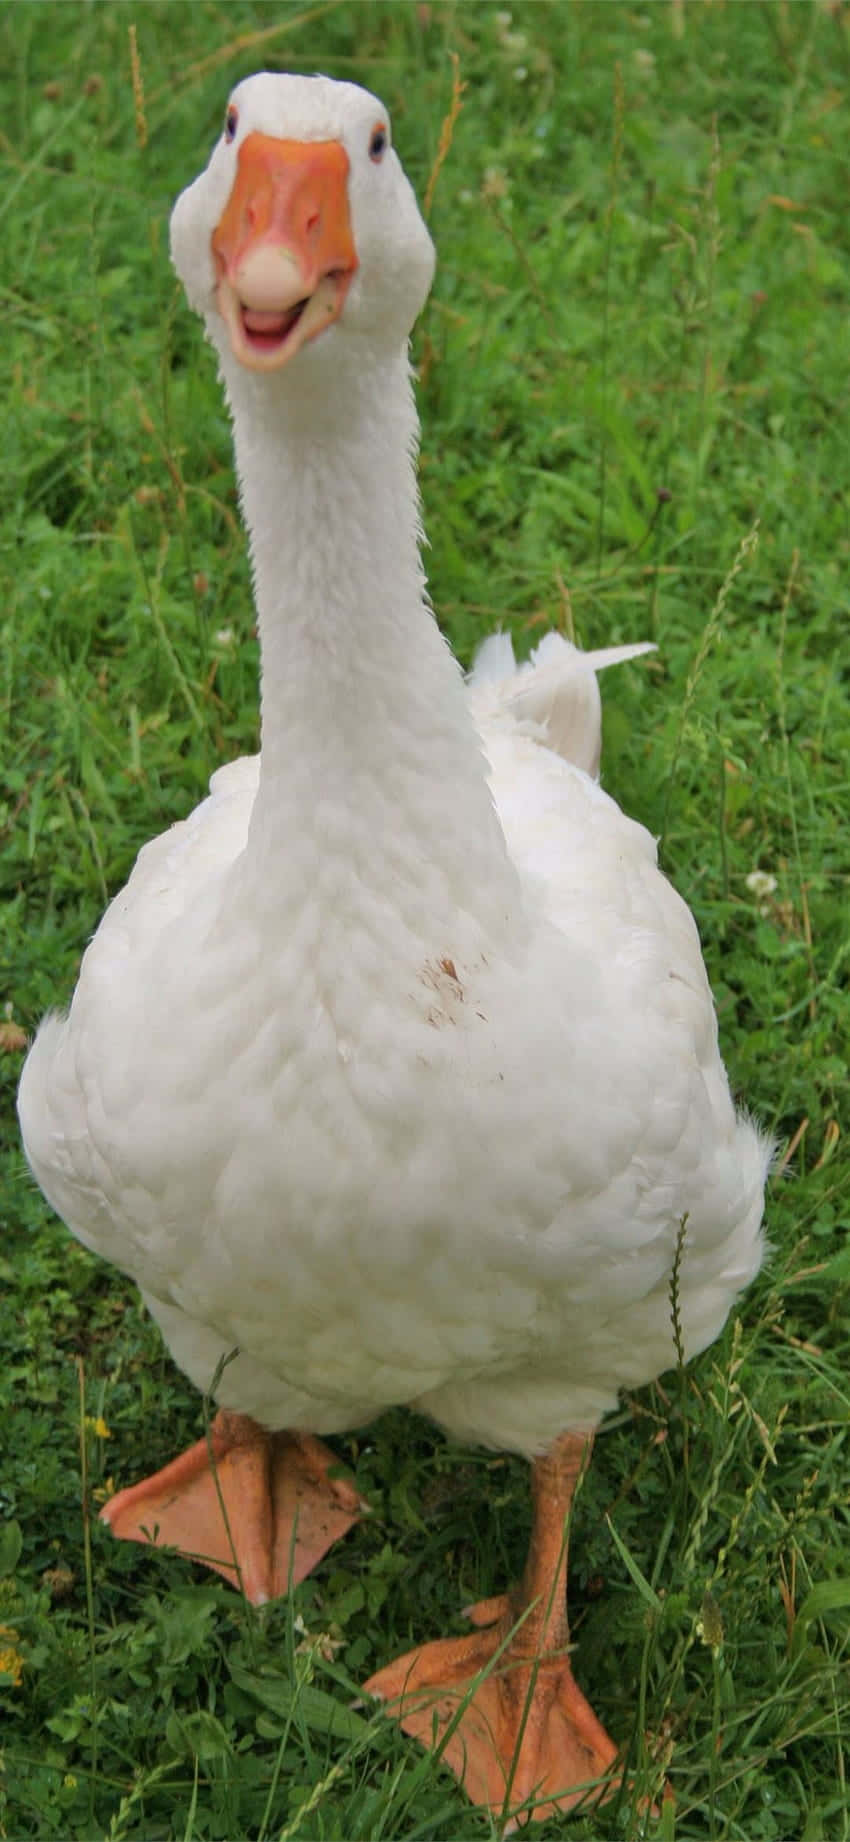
column 395, row 1064
column 554, row 692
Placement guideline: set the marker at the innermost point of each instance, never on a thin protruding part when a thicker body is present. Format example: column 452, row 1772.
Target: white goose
column 394, row 1067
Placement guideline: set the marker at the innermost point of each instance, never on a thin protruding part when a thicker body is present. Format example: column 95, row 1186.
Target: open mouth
column 265, row 330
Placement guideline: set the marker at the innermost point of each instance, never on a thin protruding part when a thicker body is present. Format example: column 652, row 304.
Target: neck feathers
column 373, row 786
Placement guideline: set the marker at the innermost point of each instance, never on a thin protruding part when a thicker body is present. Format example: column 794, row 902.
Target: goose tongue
column 269, row 324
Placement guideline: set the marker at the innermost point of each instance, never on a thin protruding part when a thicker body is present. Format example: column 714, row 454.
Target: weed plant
column 633, row 384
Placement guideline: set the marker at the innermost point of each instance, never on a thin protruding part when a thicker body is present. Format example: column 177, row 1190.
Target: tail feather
column 554, row 692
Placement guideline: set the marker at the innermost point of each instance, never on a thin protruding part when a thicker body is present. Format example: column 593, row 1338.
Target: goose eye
column 231, row 121
column 378, row 144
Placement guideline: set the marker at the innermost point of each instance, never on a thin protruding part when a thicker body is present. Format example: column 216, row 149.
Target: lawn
column 633, row 388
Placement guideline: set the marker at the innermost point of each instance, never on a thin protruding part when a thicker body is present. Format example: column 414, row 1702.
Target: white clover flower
column 760, row 883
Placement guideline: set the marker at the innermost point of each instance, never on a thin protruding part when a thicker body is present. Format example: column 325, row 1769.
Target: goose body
column 440, row 1176
column 395, row 1065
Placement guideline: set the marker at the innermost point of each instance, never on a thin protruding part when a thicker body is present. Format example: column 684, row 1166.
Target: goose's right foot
column 260, row 1508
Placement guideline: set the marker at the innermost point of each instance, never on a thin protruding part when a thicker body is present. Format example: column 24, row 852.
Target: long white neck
column 373, row 808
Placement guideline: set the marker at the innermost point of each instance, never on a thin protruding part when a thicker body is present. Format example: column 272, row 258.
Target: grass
column 636, row 354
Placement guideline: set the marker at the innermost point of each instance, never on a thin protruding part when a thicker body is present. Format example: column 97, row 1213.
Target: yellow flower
column 98, row 1426
column 11, row 1661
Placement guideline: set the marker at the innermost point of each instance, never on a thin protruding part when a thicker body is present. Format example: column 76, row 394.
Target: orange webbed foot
column 259, row 1508
column 523, row 1740
column 502, row 1706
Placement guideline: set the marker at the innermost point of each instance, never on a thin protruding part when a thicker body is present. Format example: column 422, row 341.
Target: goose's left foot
column 260, row 1508
column 527, row 1741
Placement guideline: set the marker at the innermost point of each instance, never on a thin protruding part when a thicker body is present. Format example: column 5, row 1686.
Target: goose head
column 302, row 235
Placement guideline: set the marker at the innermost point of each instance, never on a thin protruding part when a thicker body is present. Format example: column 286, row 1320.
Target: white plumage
column 554, row 696
column 395, row 1064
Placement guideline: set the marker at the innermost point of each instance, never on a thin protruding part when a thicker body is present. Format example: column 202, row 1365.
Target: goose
column 392, row 1075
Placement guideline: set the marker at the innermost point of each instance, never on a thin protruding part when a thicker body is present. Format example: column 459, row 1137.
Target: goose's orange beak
column 283, row 248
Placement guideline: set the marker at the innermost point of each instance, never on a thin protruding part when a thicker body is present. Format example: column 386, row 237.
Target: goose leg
column 526, row 1736
column 260, row 1508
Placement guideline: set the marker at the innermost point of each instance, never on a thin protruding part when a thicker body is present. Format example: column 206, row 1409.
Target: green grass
column 636, row 350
